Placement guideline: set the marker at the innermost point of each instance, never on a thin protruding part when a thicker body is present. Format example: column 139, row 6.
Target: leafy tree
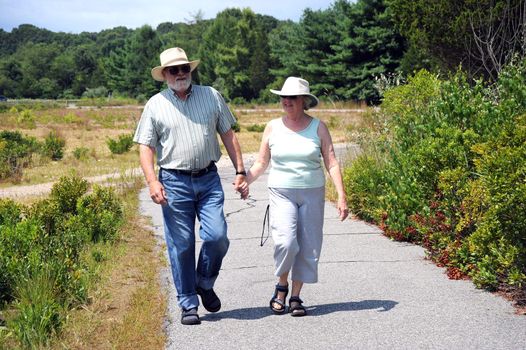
column 234, row 63
column 482, row 36
column 128, row 69
column 368, row 47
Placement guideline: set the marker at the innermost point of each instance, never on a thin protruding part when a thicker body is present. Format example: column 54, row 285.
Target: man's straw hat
column 172, row 57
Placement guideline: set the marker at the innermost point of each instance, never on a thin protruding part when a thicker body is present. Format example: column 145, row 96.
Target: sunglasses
column 289, row 97
column 174, row 70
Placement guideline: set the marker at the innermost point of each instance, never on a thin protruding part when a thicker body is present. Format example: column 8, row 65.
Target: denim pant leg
column 213, row 228
column 179, row 224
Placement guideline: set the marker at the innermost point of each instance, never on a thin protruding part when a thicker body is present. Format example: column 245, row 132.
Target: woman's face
column 292, row 104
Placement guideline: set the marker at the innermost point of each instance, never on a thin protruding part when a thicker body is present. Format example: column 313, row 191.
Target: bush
column 15, row 153
column 39, row 313
column 122, row 145
column 236, row 127
column 10, row 212
column 81, row 153
column 53, row 146
column 67, row 191
column 256, row 128
column 446, row 168
column 42, row 268
column 26, row 119
column 97, row 92
column 101, row 213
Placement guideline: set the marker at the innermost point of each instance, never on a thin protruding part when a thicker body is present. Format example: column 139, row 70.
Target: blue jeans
column 190, row 198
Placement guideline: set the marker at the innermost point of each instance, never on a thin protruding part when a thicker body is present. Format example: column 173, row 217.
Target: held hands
column 157, row 193
column 241, row 186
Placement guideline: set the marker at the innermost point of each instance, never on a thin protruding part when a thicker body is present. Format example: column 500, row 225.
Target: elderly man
column 179, row 126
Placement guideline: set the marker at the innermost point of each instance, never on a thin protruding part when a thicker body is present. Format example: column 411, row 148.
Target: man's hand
column 343, row 211
column 241, row 186
column 157, row 193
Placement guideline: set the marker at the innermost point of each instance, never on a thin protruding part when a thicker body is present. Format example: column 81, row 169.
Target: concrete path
column 373, row 293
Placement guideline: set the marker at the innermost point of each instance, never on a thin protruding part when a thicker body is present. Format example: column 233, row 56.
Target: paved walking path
column 373, row 293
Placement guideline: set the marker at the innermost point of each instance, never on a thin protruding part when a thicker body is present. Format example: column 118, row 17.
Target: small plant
column 67, row 191
column 81, row 153
column 53, row 146
column 97, row 92
column 333, row 122
column 15, row 153
column 236, row 127
column 101, row 213
column 39, row 312
column 26, row 119
column 122, row 145
column 256, row 128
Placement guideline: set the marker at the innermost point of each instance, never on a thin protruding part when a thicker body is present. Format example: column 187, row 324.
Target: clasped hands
column 241, row 186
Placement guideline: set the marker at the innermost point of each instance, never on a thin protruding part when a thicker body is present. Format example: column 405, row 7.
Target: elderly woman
column 295, row 145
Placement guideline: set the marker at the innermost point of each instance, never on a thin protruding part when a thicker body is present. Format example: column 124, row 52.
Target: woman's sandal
column 275, row 300
column 297, row 309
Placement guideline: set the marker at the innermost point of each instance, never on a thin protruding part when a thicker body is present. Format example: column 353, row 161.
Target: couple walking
column 179, row 128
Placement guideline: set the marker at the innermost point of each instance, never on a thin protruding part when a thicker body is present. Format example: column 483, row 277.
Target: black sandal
column 275, row 300
column 298, row 309
column 190, row 317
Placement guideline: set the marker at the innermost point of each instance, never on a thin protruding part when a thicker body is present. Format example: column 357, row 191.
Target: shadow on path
column 255, row 313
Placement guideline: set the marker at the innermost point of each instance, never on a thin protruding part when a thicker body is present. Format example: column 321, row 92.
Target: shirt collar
column 188, row 92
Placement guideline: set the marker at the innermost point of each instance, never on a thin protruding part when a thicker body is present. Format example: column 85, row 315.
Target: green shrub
column 20, row 253
column 10, row 212
column 38, row 313
column 67, row 191
column 81, row 153
column 26, row 119
column 363, row 184
column 53, row 146
column 236, row 127
column 445, row 165
column 43, row 268
column 15, row 153
column 97, row 92
column 122, row 145
column 256, row 128
column 101, row 213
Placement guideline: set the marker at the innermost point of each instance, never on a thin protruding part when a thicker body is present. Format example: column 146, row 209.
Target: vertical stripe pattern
column 184, row 133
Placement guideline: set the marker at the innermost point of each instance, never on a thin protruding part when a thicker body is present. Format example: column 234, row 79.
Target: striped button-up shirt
column 183, row 132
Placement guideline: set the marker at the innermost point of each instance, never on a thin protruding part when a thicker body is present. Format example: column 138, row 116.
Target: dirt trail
column 18, row 192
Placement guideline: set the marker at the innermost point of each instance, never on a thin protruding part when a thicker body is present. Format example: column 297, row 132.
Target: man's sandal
column 296, row 308
column 190, row 317
column 280, row 310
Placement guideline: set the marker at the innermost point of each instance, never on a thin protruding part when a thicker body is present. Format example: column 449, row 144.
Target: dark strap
column 266, row 220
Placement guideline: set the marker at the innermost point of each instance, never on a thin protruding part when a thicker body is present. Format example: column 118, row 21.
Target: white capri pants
column 296, row 223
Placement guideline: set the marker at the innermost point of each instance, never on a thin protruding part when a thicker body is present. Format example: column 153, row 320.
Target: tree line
column 341, row 50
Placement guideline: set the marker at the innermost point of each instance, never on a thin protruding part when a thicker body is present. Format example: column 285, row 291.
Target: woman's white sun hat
column 295, row 86
column 172, row 57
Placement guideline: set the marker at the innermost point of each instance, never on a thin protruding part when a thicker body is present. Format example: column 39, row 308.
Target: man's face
column 178, row 77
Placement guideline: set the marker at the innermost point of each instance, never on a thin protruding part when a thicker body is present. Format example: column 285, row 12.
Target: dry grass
column 91, row 128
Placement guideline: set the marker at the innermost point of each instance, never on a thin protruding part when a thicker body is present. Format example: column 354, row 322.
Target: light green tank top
column 295, row 156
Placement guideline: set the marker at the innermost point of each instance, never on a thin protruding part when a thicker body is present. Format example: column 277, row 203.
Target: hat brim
column 313, row 99
column 157, row 72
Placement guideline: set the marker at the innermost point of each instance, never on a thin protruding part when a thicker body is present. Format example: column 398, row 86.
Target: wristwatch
column 243, row 172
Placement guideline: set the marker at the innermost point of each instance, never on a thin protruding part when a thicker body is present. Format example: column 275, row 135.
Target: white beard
column 180, row 85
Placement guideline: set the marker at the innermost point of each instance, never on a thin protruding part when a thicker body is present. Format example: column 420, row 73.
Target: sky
column 75, row 16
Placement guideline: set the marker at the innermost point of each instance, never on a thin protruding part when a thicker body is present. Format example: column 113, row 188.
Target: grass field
column 91, row 127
